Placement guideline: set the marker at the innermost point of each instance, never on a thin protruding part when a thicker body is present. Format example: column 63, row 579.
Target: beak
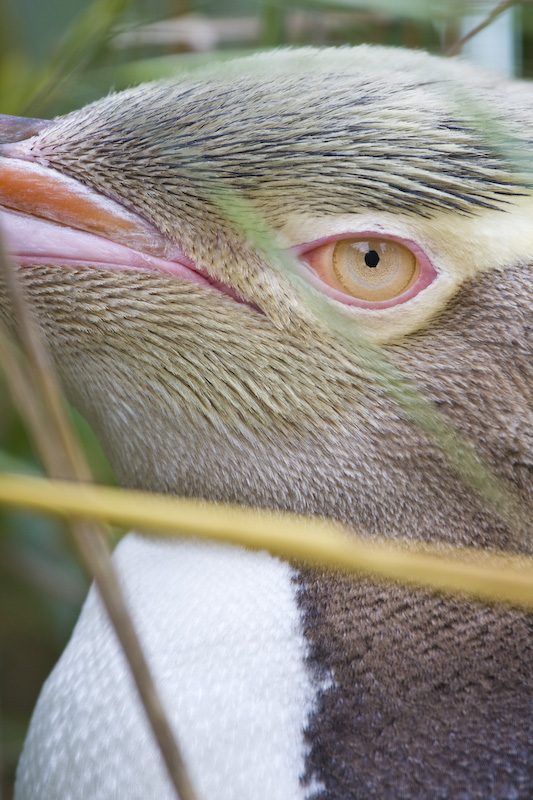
column 13, row 129
column 49, row 218
column 29, row 187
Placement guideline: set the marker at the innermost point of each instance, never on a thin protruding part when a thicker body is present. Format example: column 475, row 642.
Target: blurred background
column 56, row 55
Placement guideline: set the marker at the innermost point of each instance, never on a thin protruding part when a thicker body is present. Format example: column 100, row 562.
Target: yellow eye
column 367, row 269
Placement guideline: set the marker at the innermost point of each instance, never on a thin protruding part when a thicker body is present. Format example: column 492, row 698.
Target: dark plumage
column 401, row 694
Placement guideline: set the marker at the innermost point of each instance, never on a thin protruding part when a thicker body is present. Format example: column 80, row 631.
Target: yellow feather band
column 488, row 576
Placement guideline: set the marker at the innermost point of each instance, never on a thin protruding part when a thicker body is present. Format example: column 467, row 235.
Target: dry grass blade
column 487, row 576
column 36, row 383
column 489, row 19
column 65, row 458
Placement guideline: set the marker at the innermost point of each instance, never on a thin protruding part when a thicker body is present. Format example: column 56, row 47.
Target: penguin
column 203, row 374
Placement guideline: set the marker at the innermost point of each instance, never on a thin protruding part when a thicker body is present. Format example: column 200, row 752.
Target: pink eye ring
column 367, row 269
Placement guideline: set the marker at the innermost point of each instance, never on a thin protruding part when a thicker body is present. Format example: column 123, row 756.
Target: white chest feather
column 221, row 630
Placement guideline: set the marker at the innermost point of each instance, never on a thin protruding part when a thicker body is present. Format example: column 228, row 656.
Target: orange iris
column 367, row 269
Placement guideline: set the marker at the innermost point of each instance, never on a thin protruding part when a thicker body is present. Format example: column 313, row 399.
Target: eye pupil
column 371, row 258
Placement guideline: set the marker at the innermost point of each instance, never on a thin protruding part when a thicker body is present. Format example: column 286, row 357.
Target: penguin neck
column 337, row 473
